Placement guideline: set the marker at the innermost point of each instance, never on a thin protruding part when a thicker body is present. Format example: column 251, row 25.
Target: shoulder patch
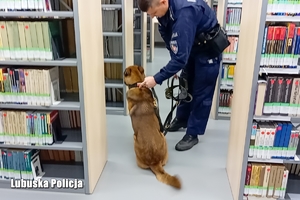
column 174, row 35
column 174, row 46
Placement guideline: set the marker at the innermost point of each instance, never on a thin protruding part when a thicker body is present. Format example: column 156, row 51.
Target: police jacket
column 178, row 28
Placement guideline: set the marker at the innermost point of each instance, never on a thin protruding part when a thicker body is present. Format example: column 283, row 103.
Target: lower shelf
column 73, row 142
column 293, row 185
column 69, row 101
column 292, row 196
column 277, row 118
column 115, row 106
column 290, row 174
column 57, row 175
column 289, row 196
column 278, row 161
column 63, row 105
column 222, row 116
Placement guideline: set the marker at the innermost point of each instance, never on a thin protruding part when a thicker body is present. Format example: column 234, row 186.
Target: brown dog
column 150, row 144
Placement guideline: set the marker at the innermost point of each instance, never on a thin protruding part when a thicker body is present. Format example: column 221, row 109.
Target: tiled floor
column 202, row 169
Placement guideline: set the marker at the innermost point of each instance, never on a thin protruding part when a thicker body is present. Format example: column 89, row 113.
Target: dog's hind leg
column 165, row 160
column 138, row 162
column 165, row 148
column 141, row 165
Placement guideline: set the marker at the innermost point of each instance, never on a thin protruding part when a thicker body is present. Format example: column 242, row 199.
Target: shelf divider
column 67, row 62
column 54, row 14
column 221, row 16
column 89, row 48
column 242, row 108
column 64, row 105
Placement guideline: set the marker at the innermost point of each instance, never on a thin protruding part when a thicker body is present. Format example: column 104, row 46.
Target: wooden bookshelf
column 80, row 115
column 119, row 52
column 140, row 37
column 250, row 118
column 150, row 39
column 221, row 108
column 244, row 90
column 221, row 16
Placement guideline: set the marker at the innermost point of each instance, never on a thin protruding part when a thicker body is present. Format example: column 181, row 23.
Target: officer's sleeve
column 183, row 35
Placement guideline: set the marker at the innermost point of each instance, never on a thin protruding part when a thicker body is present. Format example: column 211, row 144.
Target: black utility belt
column 215, row 41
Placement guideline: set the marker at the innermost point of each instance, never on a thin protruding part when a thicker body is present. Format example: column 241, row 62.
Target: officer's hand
column 176, row 76
column 148, row 82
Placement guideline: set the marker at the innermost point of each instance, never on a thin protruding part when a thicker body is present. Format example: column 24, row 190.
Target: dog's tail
column 164, row 177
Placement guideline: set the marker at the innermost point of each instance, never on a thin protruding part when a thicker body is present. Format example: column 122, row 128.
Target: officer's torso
column 205, row 24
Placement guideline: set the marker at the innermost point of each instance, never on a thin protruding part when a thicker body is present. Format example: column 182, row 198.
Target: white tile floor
column 202, row 169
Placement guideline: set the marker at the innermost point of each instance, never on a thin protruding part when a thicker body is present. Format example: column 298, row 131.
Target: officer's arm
column 183, row 35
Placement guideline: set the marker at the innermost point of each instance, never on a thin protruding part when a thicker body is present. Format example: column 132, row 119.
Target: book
column 30, row 86
column 233, row 19
column 225, row 100
column 31, row 40
column 227, row 74
column 280, row 48
column 30, row 128
column 229, row 54
column 286, row 8
column 266, row 180
column 273, row 140
column 235, row 2
column 26, row 5
column 20, row 164
column 278, row 95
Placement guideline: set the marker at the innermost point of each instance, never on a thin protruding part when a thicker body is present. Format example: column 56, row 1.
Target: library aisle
column 202, row 169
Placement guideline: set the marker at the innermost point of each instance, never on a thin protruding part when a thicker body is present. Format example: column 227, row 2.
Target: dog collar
column 132, row 85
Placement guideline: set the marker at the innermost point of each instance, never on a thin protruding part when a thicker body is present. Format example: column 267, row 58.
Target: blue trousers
column 201, row 75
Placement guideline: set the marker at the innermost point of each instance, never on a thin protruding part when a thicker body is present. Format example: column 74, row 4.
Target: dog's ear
column 127, row 72
column 141, row 69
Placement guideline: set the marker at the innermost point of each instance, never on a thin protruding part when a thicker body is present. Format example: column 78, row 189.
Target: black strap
column 156, row 109
column 169, row 118
column 182, row 96
column 132, row 85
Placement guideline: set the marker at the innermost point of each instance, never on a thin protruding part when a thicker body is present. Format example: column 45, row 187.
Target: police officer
column 180, row 23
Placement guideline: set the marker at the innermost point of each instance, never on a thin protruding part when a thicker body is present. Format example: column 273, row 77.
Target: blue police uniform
column 178, row 27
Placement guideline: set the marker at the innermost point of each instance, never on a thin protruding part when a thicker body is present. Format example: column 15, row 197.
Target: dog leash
column 182, row 96
column 156, row 109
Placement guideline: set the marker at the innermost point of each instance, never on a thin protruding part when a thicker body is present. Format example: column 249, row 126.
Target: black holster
column 213, row 42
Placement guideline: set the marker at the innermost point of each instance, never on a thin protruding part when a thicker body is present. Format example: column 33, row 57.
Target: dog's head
column 134, row 74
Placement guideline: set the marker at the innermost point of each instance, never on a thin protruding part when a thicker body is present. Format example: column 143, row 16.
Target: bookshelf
column 150, row 39
column 140, row 36
column 221, row 11
column 215, row 6
column 50, row 127
column 263, row 151
column 118, row 33
column 224, row 87
column 210, row 3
